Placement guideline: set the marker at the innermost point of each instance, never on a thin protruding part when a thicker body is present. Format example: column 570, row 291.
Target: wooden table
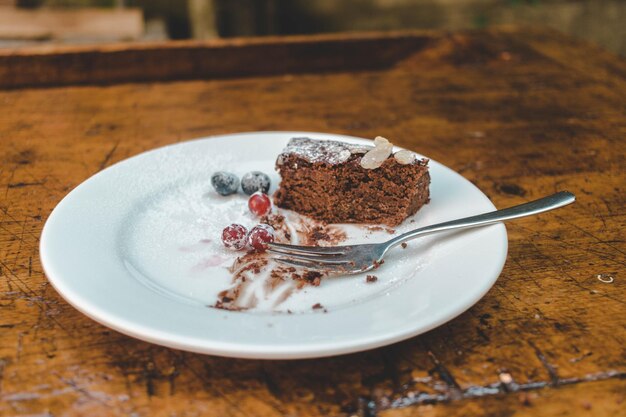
column 521, row 113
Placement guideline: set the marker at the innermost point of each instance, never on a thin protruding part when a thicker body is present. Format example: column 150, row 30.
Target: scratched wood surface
column 521, row 113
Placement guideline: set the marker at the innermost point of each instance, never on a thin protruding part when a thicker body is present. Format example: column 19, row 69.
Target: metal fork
column 353, row 259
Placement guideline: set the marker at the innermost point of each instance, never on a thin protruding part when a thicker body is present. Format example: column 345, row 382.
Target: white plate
column 136, row 247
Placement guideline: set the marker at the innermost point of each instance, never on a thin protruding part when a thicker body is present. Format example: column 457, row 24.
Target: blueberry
column 255, row 181
column 225, row 183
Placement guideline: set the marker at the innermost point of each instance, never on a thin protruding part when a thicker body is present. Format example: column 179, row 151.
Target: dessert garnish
column 374, row 159
column 225, row 183
column 235, row 236
column 260, row 204
column 254, row 181
column 404, row 157
column 260, row 236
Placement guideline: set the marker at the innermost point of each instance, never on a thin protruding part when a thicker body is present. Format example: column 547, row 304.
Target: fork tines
column 311, row 257
column 282, row 249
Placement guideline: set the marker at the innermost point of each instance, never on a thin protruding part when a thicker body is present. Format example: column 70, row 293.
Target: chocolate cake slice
column 327, row 180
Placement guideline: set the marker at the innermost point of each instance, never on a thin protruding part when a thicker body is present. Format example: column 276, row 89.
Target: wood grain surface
column 521, row 113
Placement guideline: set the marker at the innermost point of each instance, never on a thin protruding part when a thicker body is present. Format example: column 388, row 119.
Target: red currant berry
column 260, row 236
column 259, row 204
column 235, row 236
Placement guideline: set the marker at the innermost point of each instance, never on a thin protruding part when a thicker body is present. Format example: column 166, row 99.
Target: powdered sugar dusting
column 329, row 151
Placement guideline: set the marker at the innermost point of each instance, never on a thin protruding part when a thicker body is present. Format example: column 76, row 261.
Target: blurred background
column 32, row 22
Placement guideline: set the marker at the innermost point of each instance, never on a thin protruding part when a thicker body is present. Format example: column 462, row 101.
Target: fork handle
column 550, row 202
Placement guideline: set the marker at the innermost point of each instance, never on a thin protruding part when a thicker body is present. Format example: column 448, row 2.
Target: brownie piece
column 325, row 180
